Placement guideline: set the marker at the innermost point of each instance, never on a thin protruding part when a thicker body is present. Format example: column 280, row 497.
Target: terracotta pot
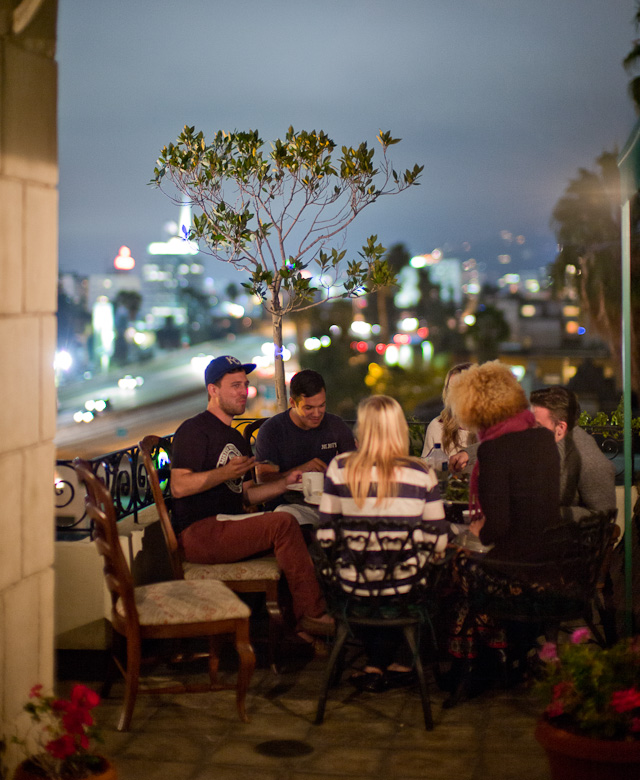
column 24, row 772
column 574, row 757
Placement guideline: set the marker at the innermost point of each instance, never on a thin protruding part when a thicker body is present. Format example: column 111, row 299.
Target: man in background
column 587, row 477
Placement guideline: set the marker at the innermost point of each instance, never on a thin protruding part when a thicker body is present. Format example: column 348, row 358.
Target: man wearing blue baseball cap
column 211, row 486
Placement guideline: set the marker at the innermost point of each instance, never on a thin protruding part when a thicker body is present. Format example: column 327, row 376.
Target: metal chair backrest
column 156, row 456
column 591, row 540
column 375, row 569
column 100, row 509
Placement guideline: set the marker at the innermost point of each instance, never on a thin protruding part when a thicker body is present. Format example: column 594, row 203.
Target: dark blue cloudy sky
column 500, row 100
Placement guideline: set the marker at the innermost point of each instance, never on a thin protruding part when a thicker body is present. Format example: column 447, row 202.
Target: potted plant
column 57, row 742
column 591, row 724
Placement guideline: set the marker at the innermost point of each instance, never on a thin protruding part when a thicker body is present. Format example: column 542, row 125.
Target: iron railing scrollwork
column 124, row 474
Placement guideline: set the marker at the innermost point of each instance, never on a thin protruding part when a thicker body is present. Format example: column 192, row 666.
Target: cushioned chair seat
column 179, row 601
column 254, row 569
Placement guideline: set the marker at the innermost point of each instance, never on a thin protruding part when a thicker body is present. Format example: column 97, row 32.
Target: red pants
column 210, row 541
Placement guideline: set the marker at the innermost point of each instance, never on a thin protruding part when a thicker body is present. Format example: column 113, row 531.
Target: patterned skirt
column 472, row 585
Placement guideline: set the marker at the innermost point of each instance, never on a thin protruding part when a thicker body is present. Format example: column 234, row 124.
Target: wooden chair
column 375, row 574
column 163, row 610
column 250, row 431
column 256, row 575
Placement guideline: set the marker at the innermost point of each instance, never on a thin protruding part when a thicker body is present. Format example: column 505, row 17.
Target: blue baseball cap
column 225, row 365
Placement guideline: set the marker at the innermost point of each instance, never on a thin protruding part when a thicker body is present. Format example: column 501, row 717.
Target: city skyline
column 501, row 102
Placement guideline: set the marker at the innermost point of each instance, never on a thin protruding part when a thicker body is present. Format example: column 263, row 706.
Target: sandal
column 373, row 682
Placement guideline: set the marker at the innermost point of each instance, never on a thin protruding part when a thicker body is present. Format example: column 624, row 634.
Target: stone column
column 28, row 300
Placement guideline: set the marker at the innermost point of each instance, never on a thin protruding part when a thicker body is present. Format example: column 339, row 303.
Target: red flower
column 560, row 689
column 75, row 719
column 623, row 701
column 555, row 708
column 84, row 697
column 62, row 747
column 36, row 691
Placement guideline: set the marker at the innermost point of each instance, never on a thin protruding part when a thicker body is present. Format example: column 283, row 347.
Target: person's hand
column 237, row 467
column 475, row 526
column 315, row 464
column 293, row 477
column 459, row 461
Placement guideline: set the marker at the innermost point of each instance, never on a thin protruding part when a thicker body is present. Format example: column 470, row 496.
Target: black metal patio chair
column 375, row 574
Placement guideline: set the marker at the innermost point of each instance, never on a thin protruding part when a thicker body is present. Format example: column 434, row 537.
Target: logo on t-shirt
column 331, row 445
column 230, row 451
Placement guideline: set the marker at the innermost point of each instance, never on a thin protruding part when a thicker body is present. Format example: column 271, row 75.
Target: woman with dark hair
column 514, row 499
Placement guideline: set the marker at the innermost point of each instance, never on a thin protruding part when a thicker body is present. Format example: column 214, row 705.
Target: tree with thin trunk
column 281, row 215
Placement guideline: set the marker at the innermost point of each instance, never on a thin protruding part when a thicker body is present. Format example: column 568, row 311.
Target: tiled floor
column 364, row 736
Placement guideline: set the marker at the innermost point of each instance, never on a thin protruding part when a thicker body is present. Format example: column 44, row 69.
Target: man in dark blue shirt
column 304, row 438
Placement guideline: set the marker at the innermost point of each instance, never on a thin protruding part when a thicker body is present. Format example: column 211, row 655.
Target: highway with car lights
column 102, row 414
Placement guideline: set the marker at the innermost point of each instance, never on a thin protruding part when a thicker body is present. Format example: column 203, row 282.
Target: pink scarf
column 521, row 421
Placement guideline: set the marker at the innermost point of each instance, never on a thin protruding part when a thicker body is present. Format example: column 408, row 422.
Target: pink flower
column 580, row 635
column 548, row 652
column 36, row 691
column 623, row 701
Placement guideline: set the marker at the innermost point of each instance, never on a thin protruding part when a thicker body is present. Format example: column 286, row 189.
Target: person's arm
column 597, row 480
column 433, row 435
column 330, row 508
column 259, row 493
column 185, row 482
column 267, row 472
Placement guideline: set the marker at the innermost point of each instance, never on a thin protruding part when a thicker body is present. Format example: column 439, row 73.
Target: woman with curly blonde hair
column 514, row 497
column 446, row 430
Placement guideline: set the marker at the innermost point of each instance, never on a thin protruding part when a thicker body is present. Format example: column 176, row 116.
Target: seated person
column 210, row 486
column 458, row 444
column 587, row 476
column 380, row 480
column 514, row 500
column 304, row 438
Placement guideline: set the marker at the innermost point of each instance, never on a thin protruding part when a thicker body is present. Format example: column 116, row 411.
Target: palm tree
column 586, row 222
column 631, row 62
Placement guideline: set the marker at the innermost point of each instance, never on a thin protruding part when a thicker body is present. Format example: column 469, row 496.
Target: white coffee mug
column 312, row 484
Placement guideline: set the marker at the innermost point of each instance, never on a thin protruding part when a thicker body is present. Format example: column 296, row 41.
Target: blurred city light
column 62, row 360
column 360, row 328
column 123, row 261
column 409, row 324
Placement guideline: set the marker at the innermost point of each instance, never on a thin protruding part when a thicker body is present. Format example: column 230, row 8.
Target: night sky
column 501, row 101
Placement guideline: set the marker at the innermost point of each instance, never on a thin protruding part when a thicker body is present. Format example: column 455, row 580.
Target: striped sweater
column 417, row 503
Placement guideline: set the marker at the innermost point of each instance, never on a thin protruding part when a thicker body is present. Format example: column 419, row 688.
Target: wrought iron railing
column 123, row 473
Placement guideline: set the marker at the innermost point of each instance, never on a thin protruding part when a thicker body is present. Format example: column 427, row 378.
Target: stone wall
column 28, row 298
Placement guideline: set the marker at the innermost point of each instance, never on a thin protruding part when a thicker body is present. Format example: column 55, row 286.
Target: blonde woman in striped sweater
column 381, row 480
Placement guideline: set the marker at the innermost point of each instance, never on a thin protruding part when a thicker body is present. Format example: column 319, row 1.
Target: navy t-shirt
column 203, row 443
column 286, row 445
